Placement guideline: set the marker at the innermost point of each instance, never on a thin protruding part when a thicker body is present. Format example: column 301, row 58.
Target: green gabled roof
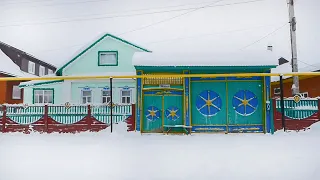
column 59, row 71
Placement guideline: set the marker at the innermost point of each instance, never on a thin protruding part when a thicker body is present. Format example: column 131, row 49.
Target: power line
column 269, row 34
column 168, row 19
column 142, row 9
column 131, row 15
column 166, row 40
column 210, row 34
column 58, row 4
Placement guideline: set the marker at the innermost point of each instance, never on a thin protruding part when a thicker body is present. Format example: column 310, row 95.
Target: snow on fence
column 62, row 118
column 298, row 115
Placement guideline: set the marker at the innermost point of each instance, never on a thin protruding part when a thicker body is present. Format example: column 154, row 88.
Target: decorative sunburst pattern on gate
column 173, row 113
column 208, row 103
column 152, row 113
column 245, row 102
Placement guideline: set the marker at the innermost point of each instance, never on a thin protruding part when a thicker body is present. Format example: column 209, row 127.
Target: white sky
column 22, row 25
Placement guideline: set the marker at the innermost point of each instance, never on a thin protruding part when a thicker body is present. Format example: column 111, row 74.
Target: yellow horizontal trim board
column 157, row 76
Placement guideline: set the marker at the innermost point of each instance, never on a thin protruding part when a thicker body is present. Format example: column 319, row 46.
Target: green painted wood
column 152, row 103
column 240, row 118
column 25, row 114
column 301, row 110
column 71, row 115
column 198, row 118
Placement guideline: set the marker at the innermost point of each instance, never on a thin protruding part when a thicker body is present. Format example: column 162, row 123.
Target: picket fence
column 62, row 118
column 298, row 115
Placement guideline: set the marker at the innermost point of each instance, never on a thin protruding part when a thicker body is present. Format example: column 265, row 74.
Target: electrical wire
column 210, row 34
column 129, row 15
column 169, row 19
column 269, row 34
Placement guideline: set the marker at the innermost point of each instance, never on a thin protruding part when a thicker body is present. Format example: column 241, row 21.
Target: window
column 108, row 58
column 277, row 91
column 41, row 71
column 16, row 92
column 50, row 71
column 31, row 67
column 106, row 98
column 86, row 96
column 125, row 96
column 304, row 94
column 42, row 96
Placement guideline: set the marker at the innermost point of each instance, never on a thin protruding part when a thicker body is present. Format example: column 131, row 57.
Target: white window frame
column 303, row 94
column 31, row 67
column 36, row 96
column 130, row 96
column 108, row 98
column 108, row 63
column 91, row 97
column 42, row 71
column 50, row 71
column 15, row 92
column 276, row 93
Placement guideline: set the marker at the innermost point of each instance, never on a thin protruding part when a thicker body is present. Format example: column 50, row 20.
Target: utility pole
column 294, row 60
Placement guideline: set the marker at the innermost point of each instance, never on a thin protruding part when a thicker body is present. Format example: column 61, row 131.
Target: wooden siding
column 310, row 85
column 6, row 91
column 9, row 99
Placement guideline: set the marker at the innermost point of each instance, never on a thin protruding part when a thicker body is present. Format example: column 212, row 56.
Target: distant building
column 17, row 63
column 309, row 85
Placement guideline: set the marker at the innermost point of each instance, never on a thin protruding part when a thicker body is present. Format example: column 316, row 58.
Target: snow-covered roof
column 91, row 43
column 286, row 68
column 205, row 59
column 10, row 68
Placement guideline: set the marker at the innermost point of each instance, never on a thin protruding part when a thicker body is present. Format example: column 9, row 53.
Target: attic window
column 31, row 67
column 108, row 58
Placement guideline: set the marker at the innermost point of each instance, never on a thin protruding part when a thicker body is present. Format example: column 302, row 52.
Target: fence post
column 274, row 107
column 282, row 104
column 4, row 118
column 89, row 117
column 46, row 114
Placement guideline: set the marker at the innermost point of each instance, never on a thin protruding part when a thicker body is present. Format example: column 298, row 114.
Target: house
column 17, row 63
column 309, row 86
column 215, row 104
column 106, row 55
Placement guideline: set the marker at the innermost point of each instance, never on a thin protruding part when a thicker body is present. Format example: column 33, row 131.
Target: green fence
column 303, row 109
column 23, row 114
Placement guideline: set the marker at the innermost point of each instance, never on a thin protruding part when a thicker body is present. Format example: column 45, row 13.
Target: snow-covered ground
column 122, row 155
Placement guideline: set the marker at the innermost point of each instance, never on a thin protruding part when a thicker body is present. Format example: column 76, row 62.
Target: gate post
column 282, row 104
column 274, row 109
column 4, row 118
column 111, row 104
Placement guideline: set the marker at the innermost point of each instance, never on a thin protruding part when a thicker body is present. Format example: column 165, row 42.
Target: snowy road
column 101, row 156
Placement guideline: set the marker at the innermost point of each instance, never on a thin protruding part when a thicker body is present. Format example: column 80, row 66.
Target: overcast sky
column 53, row 30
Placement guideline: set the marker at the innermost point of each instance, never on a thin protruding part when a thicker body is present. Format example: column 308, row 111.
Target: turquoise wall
column 88, row 62
column 61, row 92
column 58, row 93
column 97, row 87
